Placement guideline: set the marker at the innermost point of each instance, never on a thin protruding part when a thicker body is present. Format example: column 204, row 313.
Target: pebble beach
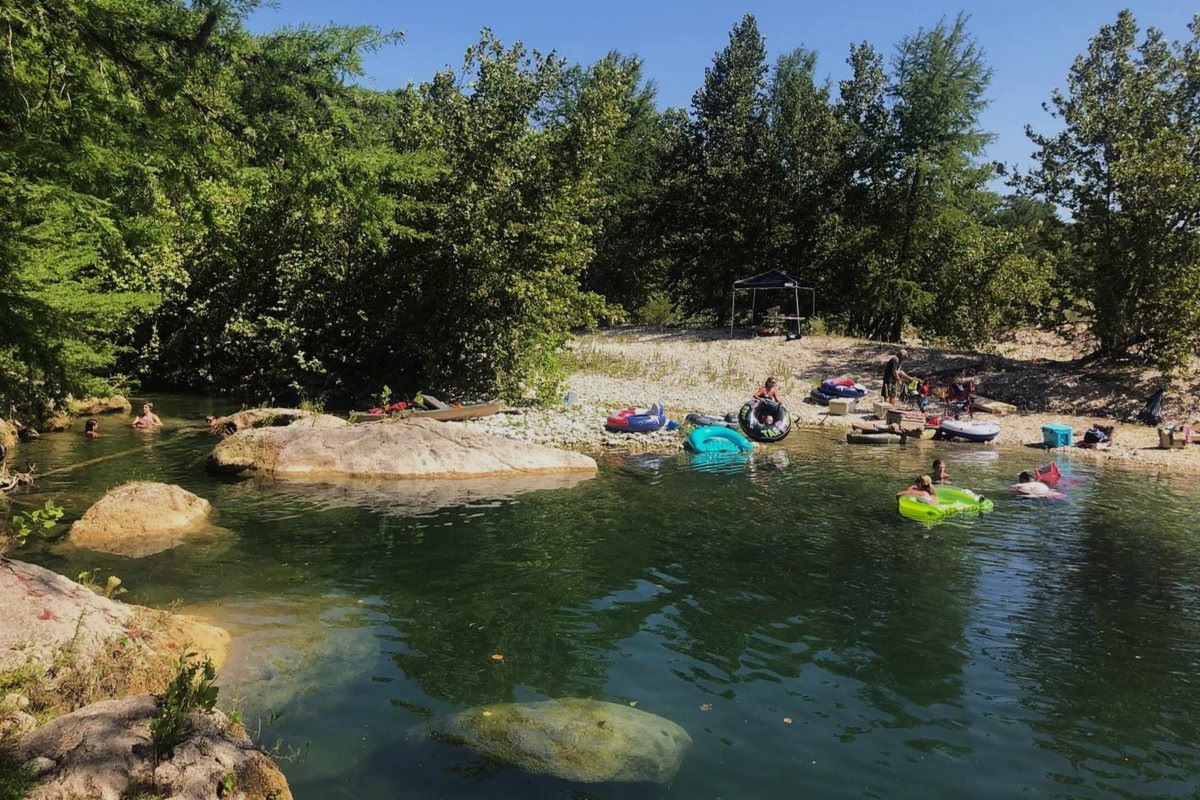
column 708, row 373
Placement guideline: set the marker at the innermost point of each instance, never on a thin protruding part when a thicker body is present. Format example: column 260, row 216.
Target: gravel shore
column 709, row 373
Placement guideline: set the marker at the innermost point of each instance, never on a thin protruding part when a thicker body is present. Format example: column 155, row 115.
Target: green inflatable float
column 951, row 500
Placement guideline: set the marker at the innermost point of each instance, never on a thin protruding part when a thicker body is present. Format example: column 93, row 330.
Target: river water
column 1048, row 649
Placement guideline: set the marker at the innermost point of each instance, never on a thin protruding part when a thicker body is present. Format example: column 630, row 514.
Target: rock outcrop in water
column 574, row 739
column 92, row 406
column 407, row 449
column 103, row 751
column 140, row 518
column 63, row 645
column 8, row 435
column 273, row 418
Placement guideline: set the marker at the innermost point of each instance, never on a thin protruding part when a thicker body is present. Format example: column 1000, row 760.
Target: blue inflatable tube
column 630, row 421
column 840, row 390
column 717, row 439
column 821, row 398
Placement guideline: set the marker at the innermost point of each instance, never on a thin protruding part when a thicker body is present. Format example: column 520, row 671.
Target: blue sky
column 1030, row 44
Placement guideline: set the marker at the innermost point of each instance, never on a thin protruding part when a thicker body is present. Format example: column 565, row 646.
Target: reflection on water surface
column 1045, row 649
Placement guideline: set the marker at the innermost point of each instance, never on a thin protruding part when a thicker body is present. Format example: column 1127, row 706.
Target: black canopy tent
column 772, row 279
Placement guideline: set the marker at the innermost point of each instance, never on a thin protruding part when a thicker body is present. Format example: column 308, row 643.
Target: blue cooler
column 1056, row 435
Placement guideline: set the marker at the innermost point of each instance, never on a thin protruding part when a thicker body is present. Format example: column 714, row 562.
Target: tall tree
column 106, row 125
column 499, row 274
column 804, row 152
column 1125, row 166
column 910, row 244
column 731, row 190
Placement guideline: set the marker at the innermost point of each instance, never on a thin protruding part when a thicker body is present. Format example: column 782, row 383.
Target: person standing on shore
column 893, row 374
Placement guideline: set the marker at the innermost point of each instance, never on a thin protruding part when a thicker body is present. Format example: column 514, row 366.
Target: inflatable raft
column 700, row 420
column 950, row 500
column 878, row 437
column 633, row 421
column 971, row 431
column 752, row 420
column 842, row 387
column 717, row 439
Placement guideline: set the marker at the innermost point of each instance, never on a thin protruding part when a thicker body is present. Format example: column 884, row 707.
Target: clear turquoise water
column 1045, row 650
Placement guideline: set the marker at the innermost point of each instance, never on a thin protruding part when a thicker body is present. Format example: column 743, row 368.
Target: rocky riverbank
column 77, row 670
column 707, row 372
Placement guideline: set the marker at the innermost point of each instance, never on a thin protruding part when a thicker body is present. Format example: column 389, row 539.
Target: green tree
column 804, row 141
column 628, row 265
column 731, row 205
column 909, row 241
column 103, row 107
column 499, row 273
column 1124, row 166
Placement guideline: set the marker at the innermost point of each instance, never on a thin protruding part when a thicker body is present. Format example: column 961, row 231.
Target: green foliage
column 103, row 124
column 1124, row 165
column 39, row 522
column 189, row 203
column 659, row 310
column 15, row 779
column 91, row 579
column 729, row 203
column 190, row 690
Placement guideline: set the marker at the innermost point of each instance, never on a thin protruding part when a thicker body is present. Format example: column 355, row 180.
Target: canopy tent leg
column 732, row 310
column 753, row 308
column 796, row 292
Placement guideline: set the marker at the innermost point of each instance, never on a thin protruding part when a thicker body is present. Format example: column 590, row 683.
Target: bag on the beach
column 1152, row 414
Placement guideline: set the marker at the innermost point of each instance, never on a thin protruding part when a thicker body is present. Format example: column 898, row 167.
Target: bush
column 659, row 311
column 192, row 688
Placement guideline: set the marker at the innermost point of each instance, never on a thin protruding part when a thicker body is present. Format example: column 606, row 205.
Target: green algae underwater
column 807, row 638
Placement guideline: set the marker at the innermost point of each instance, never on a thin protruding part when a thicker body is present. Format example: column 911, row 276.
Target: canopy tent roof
column 771, row 279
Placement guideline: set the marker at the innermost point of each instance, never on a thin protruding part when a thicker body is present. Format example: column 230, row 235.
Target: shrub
column 192, row 688
column 659, row 311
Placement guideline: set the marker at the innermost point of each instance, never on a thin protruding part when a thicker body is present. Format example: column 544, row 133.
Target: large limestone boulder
column 273, row 418
column 103, row 752
column 409, row 449
column 92, row 406
column 578, row 740
column 140, row 518
column 73, row 645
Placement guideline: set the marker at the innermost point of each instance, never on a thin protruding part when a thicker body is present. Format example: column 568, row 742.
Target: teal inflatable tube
column 717, row 439
column 951, row 500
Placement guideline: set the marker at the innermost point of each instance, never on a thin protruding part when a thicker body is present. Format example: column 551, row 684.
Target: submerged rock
column 415, row 448
column 273, row 418
column 103, row 751
column 140, row 518
column 91, row 406
column 574, row 739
